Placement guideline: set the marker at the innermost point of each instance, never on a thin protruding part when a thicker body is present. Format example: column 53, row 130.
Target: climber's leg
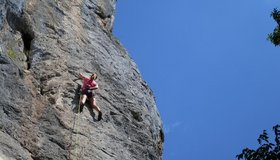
column 83, row 99
column 94, row 106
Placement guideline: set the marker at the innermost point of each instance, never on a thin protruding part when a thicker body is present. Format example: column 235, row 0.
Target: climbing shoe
column 81, row 107
column 99, row 116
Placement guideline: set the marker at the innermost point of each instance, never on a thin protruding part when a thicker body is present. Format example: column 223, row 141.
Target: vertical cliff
column 44, row 45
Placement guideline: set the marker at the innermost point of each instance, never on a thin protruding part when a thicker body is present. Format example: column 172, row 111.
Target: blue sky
column 215, row 76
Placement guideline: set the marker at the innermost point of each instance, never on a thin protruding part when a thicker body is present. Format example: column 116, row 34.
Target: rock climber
column 89, row 84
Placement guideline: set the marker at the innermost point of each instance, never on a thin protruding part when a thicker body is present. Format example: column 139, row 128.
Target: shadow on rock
column 76, row 100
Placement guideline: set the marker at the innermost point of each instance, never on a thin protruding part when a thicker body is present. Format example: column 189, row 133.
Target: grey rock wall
column 44, row 45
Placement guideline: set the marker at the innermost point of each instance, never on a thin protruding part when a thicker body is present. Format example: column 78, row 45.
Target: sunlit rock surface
column 44, row 45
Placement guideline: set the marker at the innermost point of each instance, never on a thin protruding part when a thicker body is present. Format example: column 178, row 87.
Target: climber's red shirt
column 88, row 83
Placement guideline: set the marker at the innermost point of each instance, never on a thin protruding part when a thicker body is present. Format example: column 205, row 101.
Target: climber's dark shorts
column 88, row 93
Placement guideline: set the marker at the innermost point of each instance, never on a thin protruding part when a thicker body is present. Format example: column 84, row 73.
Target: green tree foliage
column 274, row 37
column 266, row 151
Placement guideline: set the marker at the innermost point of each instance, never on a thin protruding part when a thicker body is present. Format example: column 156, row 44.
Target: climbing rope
column 77, row 131
column 77, row 140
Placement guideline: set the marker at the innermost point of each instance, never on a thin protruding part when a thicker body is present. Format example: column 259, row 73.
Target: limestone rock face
column 44, row 45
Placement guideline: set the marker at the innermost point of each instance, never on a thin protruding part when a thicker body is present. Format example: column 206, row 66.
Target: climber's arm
column 94, row 88
column 81, row 76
